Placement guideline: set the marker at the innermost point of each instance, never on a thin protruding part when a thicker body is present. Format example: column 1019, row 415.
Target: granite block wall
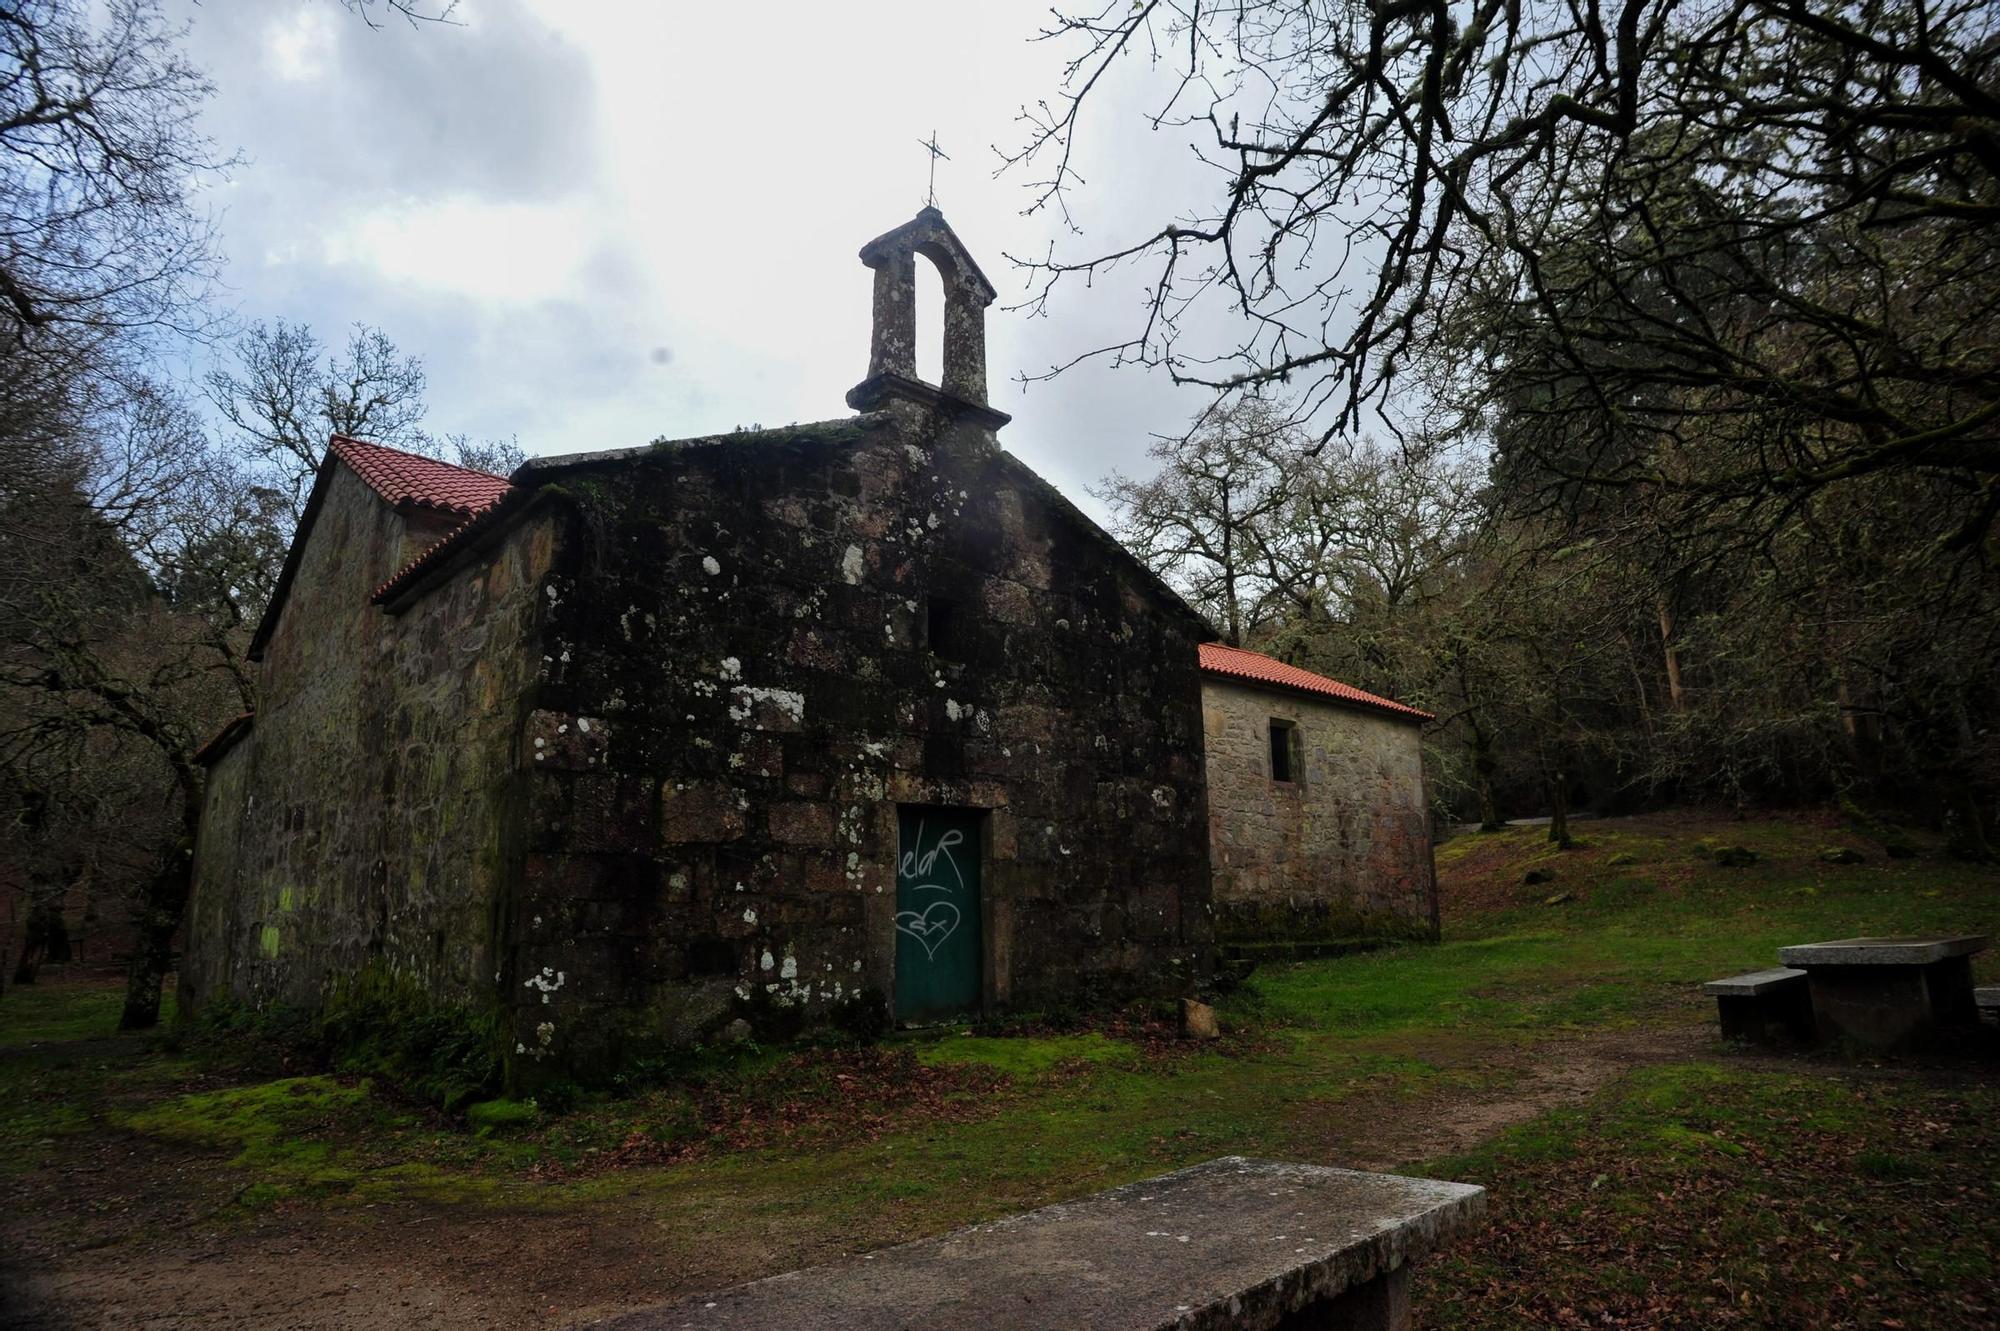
column 631, row 769
column 1342, row 850
column 757, row 647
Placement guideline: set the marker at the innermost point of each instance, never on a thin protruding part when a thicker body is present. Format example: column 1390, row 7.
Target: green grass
column 57, row 1011
column 770, row 1150
column 1024, row 1056
column 309, row 1137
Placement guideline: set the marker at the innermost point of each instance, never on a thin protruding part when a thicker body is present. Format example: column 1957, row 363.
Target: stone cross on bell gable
column 937, row 154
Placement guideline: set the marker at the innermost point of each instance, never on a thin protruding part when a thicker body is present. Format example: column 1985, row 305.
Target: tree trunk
column 1233, row 631
column 1483, row 765
column 1672, row 655
column 1861, row 722
column 1559, row 810
column 1965, row 827
column 1483, row 762
column 46, row 936
column 160, row 911
column 1968, row 830
column 1489, row 808
column 1639, row 697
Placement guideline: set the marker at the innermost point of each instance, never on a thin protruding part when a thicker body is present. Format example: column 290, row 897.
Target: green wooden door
column 938, row 956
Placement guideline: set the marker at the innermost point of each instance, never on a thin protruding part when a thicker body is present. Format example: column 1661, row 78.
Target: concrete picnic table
column 1884, row 993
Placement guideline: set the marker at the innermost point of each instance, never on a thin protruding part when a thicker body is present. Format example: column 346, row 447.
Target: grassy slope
column 783, row 1148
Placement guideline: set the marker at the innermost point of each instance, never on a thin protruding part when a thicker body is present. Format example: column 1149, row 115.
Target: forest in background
column 1600, row 660
column 1673, row 327
column 1620, row 386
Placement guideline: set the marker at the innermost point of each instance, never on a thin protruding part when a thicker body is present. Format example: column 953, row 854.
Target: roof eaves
column 443, row 554
column 532, row 475
column 224, row 740
column 268, row 624
column 1346, row 695
column 401, row 477
column 536, row 470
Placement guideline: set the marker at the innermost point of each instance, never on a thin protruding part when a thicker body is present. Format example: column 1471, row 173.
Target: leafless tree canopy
column 98, row 145
column 1772, row 216
column 374, row 12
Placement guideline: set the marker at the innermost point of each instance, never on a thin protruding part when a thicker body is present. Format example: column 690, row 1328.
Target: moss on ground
column 927, row 1131
column 1026, row 1055
column 312, row 1137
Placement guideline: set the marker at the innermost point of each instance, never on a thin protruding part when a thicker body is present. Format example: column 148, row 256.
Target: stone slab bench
column 1763, row 1006
column 1987, row 999
column 1887, row 993
column 1235, row 1244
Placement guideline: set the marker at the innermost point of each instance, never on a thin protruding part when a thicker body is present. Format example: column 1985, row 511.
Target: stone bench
column 1232, row 1245
column 1987, row 999
column 1763, row 1006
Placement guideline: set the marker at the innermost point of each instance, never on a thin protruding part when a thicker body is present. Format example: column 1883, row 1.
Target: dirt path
column 1517, row 1083
column 130, row 1235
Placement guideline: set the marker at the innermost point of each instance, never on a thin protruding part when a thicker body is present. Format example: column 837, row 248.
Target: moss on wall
column 370, row 820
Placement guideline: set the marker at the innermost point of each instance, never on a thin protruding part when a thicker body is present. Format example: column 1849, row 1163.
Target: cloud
column 500, row 107
column 541, row 199
column 492, row 250
column 300, row 45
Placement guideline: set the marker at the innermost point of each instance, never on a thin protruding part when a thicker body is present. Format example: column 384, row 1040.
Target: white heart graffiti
column 930, row 932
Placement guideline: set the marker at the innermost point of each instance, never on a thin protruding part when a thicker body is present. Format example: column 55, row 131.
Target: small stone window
column 1284, row 750
column 944, row 629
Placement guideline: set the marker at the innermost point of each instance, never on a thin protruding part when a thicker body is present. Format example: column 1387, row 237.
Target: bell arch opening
column 929, row 333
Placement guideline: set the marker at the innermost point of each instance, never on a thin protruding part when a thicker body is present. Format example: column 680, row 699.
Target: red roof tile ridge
column 1242, row 663
column 402, row 477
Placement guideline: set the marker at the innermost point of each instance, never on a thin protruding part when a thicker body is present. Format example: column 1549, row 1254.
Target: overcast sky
column 601, row 223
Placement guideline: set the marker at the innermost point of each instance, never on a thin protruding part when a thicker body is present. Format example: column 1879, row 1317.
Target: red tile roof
column 404, row 478
column 1236, row 663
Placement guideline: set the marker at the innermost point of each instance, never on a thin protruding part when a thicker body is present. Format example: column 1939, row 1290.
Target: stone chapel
column 855, row 721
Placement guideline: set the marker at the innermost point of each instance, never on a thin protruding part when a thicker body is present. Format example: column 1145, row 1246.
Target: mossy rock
column 1621, row 859
column 1536, row 877
column 1735, row 857
column 1842, row 855
column 504, row 1115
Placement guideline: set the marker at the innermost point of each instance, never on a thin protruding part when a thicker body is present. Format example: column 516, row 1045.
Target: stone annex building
column 858, row 720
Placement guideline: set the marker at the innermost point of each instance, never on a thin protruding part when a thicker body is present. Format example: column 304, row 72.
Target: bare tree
column 1768, row 220
column 288, row 395
column 98, row 151
column 497, row 457
column 413, row 12
column 107, row 682
column 1198, row 520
